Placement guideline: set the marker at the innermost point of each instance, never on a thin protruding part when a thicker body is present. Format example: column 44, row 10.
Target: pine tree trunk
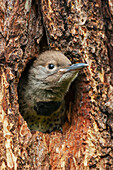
column 82, row 30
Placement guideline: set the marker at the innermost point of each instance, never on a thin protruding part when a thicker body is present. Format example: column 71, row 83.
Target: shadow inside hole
column 71, row 99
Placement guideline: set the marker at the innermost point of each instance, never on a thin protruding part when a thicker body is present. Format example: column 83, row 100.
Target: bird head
column 53, row 72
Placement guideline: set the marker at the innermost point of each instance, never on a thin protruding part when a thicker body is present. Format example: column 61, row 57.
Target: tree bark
column 82, row 30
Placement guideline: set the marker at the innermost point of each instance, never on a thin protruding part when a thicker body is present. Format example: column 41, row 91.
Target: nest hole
column 70, row 97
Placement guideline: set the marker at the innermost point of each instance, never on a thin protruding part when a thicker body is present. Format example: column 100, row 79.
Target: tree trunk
column 82, row 30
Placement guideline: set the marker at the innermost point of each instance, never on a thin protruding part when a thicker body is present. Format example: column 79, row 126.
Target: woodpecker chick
column 42, row 90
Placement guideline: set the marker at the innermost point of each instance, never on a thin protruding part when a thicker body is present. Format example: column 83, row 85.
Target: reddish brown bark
column 83, row 31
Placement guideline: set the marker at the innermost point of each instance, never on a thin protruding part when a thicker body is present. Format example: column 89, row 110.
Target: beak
column 73, row 67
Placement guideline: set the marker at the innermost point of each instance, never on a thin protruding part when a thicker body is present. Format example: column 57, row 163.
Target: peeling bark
column 83, row 31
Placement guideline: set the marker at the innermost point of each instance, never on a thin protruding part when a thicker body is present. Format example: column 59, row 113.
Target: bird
column 42, row 89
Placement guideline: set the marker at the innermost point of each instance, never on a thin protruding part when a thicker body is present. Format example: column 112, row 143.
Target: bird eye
column 51, row 66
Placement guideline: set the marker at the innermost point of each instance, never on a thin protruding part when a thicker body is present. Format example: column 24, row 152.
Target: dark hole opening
column 70, row 97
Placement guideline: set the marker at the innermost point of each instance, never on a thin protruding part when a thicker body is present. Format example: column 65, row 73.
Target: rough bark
column 83, row 31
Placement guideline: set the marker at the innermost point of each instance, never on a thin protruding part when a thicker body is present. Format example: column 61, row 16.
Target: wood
column 83, row 31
